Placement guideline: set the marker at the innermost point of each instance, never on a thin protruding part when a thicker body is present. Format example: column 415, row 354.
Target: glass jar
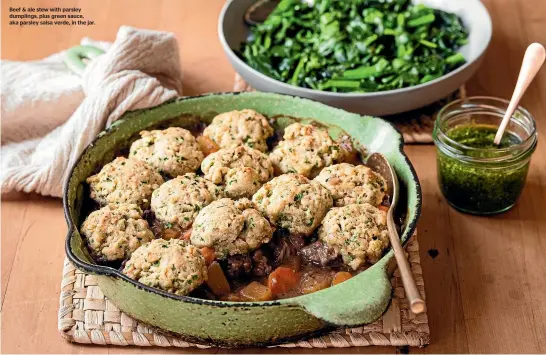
column 480, row 178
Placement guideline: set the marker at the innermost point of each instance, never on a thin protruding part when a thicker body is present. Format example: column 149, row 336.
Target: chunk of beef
column 261, row 263
column 319, row 253
column 297, row 241
column 283, row 246
column 149, row 216
column 155, row 225
column 158, row 229
column 274, row 140
column 282, row 250
column 256, row 263
column 238, row 266
column 350, row 153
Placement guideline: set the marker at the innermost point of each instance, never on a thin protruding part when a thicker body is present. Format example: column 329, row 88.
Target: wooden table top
column 485, row 289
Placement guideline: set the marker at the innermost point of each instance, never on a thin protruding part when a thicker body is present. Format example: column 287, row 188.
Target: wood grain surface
column 486, row 286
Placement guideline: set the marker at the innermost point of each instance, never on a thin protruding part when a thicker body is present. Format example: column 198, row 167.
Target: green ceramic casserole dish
column 360, row 300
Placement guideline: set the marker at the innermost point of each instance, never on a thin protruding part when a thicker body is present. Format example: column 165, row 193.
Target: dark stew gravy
column 288, row 266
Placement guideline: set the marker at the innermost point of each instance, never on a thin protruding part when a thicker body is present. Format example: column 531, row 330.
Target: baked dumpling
column 235, row 128
column 293, row 202
column 173, row 265
column 230, row 228
column 124, row 181
column 173, row 151
column 357, row 232
column 305, row 150
column 241, row 170
column 115, row 231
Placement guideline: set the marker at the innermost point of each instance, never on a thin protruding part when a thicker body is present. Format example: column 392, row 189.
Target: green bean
column 298, row 70
column 455, row 59
column 366, row 71
column 332, row 83
column 428, row 43
column 423, row 20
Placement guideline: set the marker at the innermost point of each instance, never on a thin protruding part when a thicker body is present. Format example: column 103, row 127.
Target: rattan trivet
column 416, row 126
column 86, row 316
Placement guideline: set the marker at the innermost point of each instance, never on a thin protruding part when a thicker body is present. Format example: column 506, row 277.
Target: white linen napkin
column 50, row 114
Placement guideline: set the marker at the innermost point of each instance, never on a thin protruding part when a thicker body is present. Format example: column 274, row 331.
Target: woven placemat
column 416, row 126
column 87, row 316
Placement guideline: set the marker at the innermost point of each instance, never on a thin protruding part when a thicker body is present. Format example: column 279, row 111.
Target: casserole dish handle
column 75, row 56
column 357, row 301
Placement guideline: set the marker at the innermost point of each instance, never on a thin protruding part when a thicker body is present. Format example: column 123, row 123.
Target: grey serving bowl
column 357, row 301
column 232, row 31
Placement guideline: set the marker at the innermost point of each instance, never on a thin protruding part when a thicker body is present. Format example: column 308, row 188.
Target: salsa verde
column 480, row 184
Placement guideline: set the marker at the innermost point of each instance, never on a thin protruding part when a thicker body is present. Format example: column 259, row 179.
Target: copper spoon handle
column 416, row 302
column 380, row 164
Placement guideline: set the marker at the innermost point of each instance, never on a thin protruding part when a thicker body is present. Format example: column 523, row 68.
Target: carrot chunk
column 186, row 234
column 207, row 145
column 340, row 277
column 209, row 254
column 170, row 233
column 282, row 280
column 383, row 208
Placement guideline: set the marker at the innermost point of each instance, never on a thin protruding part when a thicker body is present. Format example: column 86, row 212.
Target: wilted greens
column 355, row 45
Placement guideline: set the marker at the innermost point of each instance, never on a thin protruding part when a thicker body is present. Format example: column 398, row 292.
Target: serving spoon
column 259, row 11
column 532, row 61
column 379, row 163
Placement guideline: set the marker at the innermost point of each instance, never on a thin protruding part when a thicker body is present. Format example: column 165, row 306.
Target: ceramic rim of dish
column 110, row 271
column 228, row 49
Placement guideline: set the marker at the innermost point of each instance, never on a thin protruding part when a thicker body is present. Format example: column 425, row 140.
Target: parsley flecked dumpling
column 293, row 202
column 236, row 128
column 173, row 151
column 174, row 266
column 178, row 201
column 124, row 181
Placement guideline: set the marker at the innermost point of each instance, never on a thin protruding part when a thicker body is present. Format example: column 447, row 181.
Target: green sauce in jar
column 475, row 175
column 481, row 136
column 476, row 189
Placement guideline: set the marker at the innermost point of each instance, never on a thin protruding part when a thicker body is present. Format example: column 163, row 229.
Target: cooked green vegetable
column 355, row 45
